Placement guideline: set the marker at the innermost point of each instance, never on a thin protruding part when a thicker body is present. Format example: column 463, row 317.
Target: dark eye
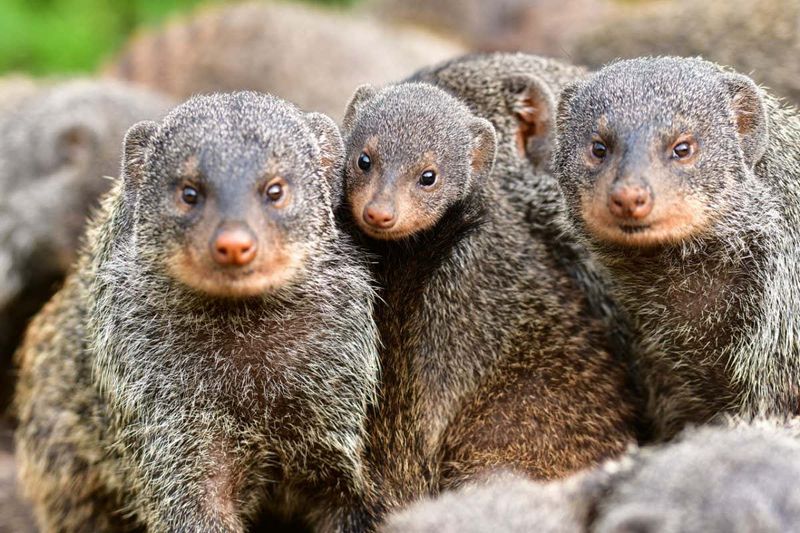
column 274, row 192
column 190, row 195
column 599, row 150
column 364, row 162
column 427, row 178
column 682, row 150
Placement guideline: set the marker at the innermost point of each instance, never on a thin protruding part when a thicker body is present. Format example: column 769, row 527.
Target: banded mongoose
column 489, row 356
column 56, row 144
column 282, row 48
column 759, row 37
column 684, row 179
column 537, row 26
column 214, row 352
column 713, row 479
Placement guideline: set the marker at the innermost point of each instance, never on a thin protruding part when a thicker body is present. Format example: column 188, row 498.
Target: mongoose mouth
column 268, row 274
column 634, row 229
column 390, row 234
column 671, row 221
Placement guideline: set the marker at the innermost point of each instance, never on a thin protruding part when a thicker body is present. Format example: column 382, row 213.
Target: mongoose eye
column 190, row 195
column 364, row 162
column 427, row 178
column 599, row 150
column 275, row 191
column 682, row 150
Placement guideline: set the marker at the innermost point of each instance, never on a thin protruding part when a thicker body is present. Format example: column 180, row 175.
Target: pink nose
column 630, row 201
column 379, row 217
column 233, row 247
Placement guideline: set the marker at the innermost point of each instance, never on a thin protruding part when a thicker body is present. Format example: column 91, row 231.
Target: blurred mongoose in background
column 758, row 37
column 312, row 56
column 56, row 145
column 712, row 479
column 489, row 356
column 684, row 180
column 214, row 352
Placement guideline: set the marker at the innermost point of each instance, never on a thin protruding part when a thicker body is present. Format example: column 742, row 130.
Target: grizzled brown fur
column 682, row 178
column 147, row 399
column 490, row 355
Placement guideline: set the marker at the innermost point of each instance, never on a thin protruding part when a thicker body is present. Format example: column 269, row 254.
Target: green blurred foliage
column 71, row 36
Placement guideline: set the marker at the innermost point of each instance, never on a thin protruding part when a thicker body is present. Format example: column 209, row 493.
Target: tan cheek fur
column 676, row 216
column 275, row 265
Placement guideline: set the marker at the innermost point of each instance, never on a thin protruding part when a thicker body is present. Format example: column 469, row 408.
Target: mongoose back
column 489, row 355
column 56, row 144
column 277, row 47
column 683, row 179
column 214, row 352
column 714, row 479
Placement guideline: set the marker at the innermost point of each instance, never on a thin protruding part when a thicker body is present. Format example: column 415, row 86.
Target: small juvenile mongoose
column 684, row 179
column 56, row 144
column 283, row 48
column 713, row 479
column 214, row 351
column 489, row 355
column 759, row 37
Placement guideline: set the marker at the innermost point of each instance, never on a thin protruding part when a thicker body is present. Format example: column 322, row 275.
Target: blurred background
column 47, row 37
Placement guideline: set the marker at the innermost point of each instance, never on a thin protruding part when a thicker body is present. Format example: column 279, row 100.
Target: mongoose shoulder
column 488, row 351
column 214, row 352
column 682, row 177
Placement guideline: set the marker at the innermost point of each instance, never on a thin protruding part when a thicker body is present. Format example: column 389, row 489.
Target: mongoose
column 682, row 177
column 316, row 57
column 214, row 351
column 759, row 37
column 56, row 144
column 538, row 26
column 713, row 479
column 489, row 355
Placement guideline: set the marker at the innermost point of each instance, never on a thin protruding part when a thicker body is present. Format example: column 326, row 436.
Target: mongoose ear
column 76, row 143
column 484, row 146
column 564, row 100
column 363, row 94
column 331, row 150
column 749, row 114
column 136, row 142
column 534, row 106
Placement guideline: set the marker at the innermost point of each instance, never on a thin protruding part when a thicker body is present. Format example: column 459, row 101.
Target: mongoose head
column 413, row 151
column 232, row 192
column 650, row 152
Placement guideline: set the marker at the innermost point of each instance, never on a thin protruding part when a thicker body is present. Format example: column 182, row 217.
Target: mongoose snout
column 630, row 201
column 379, row 215
column 234, row 245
